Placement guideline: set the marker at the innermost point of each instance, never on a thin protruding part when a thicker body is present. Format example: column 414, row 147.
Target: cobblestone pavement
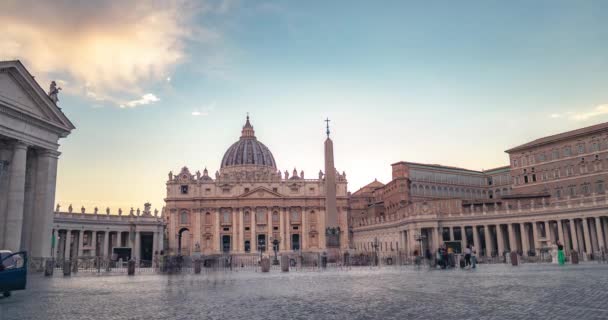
column 489, row 292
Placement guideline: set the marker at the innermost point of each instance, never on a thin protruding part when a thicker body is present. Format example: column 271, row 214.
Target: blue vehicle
column 13, row 272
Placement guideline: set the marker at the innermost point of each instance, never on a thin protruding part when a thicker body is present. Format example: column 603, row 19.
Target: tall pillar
column 241, row 231
column 600, row 235
column 66, row 248
column 282, row 230
column 44, row 193
column 452, row 234
column 463, row 237
column 304, row 236
column 435, row 239
column 288, row 229
column 488, row 238
column 254, row 238
column 512, row 238
column 269, row 229
column 138, row 244
column 525, row 241
column 235, row 232
column 535, row 235
column 216, row 235
column 16, row 195
column 595, row 245
column 500, row 240
column 154, row 243
column 476, row 242
column 80, row 242
column 106, row 239
column 588, row 248
column 574, row 235
column 56, row 242
column 120, row 238
column 560, row 231
column 94, row 243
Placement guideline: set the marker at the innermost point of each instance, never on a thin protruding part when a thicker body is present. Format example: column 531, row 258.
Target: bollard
column 66, row 268
column 513, row 258
column 574, row 257
column 285, row 263
column 197, row 266
column 131, row 267
column 265, row 264
column 49, row 267
column 324, row 261
column 75, row 265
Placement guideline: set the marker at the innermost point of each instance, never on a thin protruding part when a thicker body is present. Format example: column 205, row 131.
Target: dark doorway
column 295, row 242
column 247, row 246
column 262, row 242
column 225, row 243
column 179, row 240
column 146, row 248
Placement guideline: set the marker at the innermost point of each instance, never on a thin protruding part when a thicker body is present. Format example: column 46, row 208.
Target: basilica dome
column 248, row 151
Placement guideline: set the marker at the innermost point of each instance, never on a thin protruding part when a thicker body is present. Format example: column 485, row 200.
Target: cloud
column 582, row 116
column 145, row 99
column 204, row 111
column 107, row 50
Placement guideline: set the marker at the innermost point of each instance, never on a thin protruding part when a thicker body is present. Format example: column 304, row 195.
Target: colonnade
column 70, row 243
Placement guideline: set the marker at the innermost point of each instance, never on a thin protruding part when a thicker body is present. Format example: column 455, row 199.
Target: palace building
column 553, row 190
column 248, row 204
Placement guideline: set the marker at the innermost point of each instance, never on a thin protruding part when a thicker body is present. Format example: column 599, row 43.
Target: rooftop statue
column 170, row 175
column 320, row 175
column 57, row 208
column 107, row 210
column 302, row 174
column 70, row 208
column 132, row 211
column 54, row 92
column 119, row 211
column 82, row 209
column 96, row 210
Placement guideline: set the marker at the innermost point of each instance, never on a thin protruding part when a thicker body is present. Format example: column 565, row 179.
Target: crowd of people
column 446, row 258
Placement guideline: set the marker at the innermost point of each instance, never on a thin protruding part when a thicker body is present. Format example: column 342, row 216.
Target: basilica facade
column 250, row 206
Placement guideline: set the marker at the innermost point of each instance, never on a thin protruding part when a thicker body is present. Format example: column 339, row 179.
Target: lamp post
column 275, row 247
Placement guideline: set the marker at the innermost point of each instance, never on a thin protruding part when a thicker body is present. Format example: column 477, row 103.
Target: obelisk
column 332, row 229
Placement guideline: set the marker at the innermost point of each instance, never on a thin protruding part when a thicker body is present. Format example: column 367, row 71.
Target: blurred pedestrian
column 561, row 257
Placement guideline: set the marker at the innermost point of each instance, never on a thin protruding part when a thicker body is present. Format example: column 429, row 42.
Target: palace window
column 558, row 193
column 581, row 148
column 567, row 151
column 599, row 187
column 184, row 189
column 571, row 191
column 246, row 190
column 585, row 189
column 275, row 189
column 555, row 154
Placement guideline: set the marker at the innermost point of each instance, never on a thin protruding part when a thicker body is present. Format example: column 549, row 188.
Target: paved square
column 490, row 292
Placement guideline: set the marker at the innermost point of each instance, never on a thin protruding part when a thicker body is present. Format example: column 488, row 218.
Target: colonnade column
column 80, row 242
column 548, row 231
column 535, row 235
column 600, row 235
column 56, row 244
column 241, row 245
column 588, row 248
column 476, row 242
column 573, row 235
column 304, row 236
column 487, row 236
column 44, row 194
column 560, row 231
column 452, row 233
column 94, row 243
column 106, row 243
column 435, row 239
column 66, row 249
column 137, row 246
column 512, row 238
column 288, row 229
column 15, row 198
column 525, row 241
column 500, row 240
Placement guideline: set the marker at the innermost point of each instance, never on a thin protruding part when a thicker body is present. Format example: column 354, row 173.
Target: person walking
column 473, row 257
column 561, row 257
column 467, row 256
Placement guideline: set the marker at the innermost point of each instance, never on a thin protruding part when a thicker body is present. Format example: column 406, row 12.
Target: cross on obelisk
column 327, row 121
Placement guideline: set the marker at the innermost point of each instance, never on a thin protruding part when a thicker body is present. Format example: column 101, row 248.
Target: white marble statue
column 54, row 92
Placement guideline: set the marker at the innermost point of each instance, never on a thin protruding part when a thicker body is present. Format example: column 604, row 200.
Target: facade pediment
column 22, row 95
column 261, row 192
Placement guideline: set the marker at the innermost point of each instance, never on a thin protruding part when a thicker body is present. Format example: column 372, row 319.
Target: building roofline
column 560, row 137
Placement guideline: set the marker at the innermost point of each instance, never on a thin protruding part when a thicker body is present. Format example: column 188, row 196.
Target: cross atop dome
column 247, row 131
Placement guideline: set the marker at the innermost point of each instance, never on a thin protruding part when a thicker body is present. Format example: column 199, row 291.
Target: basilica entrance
column 295, row 242
column 225, row 243
column 183, row 234
column 247, row 246
column 262, row 242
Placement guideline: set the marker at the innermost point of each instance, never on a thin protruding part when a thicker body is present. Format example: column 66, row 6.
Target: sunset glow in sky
column 155, row 85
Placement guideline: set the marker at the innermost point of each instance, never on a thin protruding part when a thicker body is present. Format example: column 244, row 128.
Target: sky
column 153, row 86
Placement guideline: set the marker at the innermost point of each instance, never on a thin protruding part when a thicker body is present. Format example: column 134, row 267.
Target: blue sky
column 455, row 83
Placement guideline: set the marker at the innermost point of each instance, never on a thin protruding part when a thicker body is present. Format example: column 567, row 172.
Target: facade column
column 535, row 235
column 435, row 239
column 548, row 232
column 282, row 229
column 525, row 241
column 15, row 198
column 154, row 243
column 235, row 232
column 106, row 243
column 66, row 249
column 452, row 234
column 269, row 229
column 600, row 235
column 120, row 239
column 463, row 237
column 512, row 238
column 595, row 245
column 588, row 247
column 304, row 236
column 500, row 240
column 241, row 231
column 56, row 237
column 488, row 238
column 412, row 241
column 254, row 239
column 44, row 194
column 216, row 234
column 574, row 235
column 288, row 228
column 94, row 243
